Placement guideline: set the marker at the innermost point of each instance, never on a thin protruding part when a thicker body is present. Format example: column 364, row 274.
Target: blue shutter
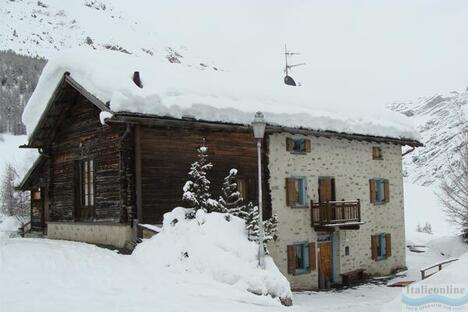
column 305, row 249
column 382, row 245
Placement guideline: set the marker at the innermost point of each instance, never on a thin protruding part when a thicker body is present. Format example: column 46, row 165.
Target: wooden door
column 326, row 189
column 325, row 269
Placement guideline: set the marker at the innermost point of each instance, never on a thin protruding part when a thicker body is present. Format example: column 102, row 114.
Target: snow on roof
column 177, row 90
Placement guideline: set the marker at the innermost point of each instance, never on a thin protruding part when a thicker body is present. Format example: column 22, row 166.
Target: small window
column 376, row 152
column 242, row 188
column 379, row 191
column 87, row 183
column 302, row 257
column 346, row 251
column 296, row 192
column 298, row 146
column 381, row 246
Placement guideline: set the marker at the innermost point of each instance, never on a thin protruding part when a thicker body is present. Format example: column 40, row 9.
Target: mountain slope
column 46, row 26
column 439, row 119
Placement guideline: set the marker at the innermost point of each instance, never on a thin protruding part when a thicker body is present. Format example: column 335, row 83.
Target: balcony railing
column 337, row 213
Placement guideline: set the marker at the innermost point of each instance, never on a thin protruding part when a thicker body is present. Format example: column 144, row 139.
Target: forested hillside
column 18, row 78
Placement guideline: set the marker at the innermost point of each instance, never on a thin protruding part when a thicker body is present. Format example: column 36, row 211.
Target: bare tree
column 13, row 202
column 454, row 187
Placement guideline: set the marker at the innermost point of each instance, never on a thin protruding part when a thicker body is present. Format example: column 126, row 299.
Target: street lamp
column 259, row 126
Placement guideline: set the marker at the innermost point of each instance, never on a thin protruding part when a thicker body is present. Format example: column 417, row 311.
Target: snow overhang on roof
column 175, row 91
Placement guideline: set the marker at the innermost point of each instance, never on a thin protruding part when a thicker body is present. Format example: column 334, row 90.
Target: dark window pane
column 299, row 146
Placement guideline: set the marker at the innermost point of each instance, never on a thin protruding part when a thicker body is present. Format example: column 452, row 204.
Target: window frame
column 379, row 188
column 304, row 248
column 242, row 188
column 380, row 155
column 381, row 247
column 87, row 183
column 302, row 145
column 304, row 196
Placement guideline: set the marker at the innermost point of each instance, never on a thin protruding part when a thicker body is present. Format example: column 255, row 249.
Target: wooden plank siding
column 166, row 155
column 80, row 135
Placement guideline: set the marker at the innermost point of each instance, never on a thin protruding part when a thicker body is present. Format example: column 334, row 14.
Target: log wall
column 166, row 155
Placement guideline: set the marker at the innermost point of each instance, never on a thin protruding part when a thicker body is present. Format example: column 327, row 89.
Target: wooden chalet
column 97, row 181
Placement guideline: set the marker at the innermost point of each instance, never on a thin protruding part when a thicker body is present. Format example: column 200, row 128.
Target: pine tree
column 251, row 222
column 196, row 189
column 270, row 226
column 230, row 200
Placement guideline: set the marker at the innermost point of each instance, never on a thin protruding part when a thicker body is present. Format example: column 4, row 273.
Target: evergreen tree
column 230, row 200
column 251, row 222
column 196, row 189
column 270, row 226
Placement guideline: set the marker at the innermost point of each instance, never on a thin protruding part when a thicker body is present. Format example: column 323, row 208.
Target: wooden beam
column 138, row 191
column 158, row 121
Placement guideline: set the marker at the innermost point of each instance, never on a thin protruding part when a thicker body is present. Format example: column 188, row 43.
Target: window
column 379, row 191
column 87, row 183
column 296, row 192
column 346, row 251
column 381, row 246
column 298, row 146
column 376, row 152
column 301, row 258
column 242, row 188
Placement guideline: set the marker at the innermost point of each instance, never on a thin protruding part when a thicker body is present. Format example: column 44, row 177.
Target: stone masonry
column 351, row 164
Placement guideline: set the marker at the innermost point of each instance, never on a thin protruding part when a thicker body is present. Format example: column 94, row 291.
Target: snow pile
column 8, row 226
column 451, row 274
column 177, row 90
column 214, row 247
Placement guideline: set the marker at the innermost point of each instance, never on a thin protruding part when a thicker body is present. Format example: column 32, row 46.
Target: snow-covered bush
column 217, row 248
column 427, row 228
column 197, row 188
column 231, row 200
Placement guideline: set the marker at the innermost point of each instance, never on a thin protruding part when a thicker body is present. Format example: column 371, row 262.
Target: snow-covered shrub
column 197, row 188
column 231, row 200
column 210, row 245
column 251, row 223
column 427, row 228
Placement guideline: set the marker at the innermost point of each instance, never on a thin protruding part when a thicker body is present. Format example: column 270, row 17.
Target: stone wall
column 351, row 164
column 117, row 235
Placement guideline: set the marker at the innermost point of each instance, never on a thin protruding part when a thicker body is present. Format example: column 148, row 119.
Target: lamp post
column 259, row 126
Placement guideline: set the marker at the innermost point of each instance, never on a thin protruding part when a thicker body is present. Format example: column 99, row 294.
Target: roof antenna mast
column 287, row 69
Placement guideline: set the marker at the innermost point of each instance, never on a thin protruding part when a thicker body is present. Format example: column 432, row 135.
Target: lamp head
column 259, row 125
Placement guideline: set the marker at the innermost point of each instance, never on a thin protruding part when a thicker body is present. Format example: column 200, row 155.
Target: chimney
column 137, row 80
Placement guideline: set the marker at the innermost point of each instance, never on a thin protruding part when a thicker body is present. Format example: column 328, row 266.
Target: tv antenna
column 287, row 69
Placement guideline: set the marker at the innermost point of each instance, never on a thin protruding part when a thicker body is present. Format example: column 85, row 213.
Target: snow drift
column 177, row 91
column 440, row 249
column 213, row 246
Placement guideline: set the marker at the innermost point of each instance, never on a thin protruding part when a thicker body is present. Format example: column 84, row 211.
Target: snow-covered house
column 117, row 135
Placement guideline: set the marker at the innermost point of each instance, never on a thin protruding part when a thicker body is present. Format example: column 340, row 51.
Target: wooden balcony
column 336, row 214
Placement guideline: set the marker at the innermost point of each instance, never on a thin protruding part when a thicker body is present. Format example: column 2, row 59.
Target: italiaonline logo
column 428, row 298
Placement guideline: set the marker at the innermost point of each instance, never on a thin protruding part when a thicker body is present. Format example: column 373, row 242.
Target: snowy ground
column 54, row 275
column 82, row 277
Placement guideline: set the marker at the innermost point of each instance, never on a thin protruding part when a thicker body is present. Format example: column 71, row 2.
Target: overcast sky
column 357, row 52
